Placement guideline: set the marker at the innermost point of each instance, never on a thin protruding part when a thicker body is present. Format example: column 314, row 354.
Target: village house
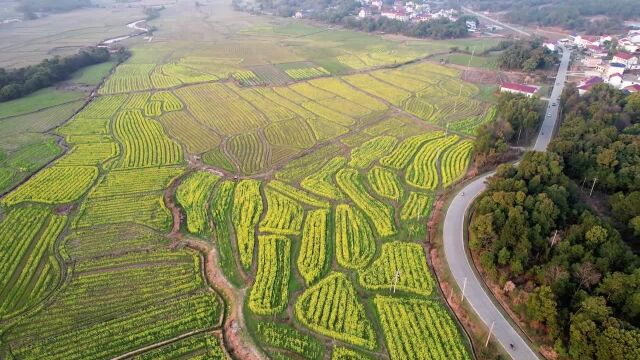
column 365, row 12
column 588, row 83
column 632, row 88
column 586, row 41
column 526, row 90
column 591, row 62
column 627, row 59
column 597, row 51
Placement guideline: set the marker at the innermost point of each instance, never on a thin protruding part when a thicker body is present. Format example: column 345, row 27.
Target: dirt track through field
column 237, row 340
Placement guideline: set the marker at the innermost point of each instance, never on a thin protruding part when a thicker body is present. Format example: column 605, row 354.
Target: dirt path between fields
column 237, row 340
column 238, row 343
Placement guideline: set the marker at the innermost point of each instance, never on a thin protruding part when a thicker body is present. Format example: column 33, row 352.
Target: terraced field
column 295, row 187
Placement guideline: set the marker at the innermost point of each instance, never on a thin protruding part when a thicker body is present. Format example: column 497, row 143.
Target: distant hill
column 32, row 6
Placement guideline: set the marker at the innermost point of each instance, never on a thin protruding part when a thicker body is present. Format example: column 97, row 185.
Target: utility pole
column 396, row 277
column 464, row 287
column 593, row 186
column 486, row 343
column 582, row 185
column 446, row 132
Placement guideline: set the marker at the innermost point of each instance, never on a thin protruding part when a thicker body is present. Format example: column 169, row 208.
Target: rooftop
column 624, row 55
column 520, row 87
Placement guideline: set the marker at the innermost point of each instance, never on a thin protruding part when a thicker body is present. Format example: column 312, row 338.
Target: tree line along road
column 458, row 260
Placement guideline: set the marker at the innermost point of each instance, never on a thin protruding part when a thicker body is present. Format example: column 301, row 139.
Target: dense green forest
column 15, row 83
column 526, row 55
column 577, row 280
column 342, row 12
column 600, row 139
column 581, row 284
column 579, row 15
column 517, row 120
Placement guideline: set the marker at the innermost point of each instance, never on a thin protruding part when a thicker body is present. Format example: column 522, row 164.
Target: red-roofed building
column 585, row 41
column 526, row 90
column 597, row 51
column 625, row 58
column 633, row 88
column 587, row 84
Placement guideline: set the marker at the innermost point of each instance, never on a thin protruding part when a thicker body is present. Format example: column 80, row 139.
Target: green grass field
column 39, row 100
column 92, row 75
column 485, row 62
column 312, row 186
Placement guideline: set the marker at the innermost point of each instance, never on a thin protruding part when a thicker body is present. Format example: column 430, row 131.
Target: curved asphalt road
column 455, row 247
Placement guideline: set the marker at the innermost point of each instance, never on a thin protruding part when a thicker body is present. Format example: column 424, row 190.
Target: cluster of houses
column 406, row 11
column 622, row 70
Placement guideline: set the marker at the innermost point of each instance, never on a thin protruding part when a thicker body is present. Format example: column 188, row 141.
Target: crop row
column 471, row 125
column 134, row 330
column 147, row 209
column 270, row 109
column 384, row 182
column 331, row 308
column 193, row 194
column 419, row 329
column 129, row 78
column 145, row 142
column 284, row 215
column 297, row 194
column 328, row 114
column 103, row 107
column 355, row 244
column 292, row 132
column 85, row 126
column 455, row 161
column 321, row 182
column 108, row 240
column 220, row 214
column 247, row 78
column 162, row 81
column 307, row 73
column 423, row 170
column 251, row 153
column 298, row 169
column 401, row 266
column 287, row 338
column 136, row 101
column 90, row 154
column 201, row 346
column 416, row 207
column 197, row 137
column 337, row 87
column 186, row 74
column 343, row 353
column 379, row 213
column 220, row 108
column 399, row 80
column 312, row 259
column 19, row 232
column 372, row 150
column 402, row 155
column 269, row 294
column 378, row 88
column 55, row 185
column 245, row 214
column 119, row 181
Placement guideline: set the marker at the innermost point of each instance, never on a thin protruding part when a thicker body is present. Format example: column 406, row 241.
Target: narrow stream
column 134, row 25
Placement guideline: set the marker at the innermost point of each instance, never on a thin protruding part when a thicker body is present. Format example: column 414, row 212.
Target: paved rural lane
column 510, row 27
column 455, row 247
